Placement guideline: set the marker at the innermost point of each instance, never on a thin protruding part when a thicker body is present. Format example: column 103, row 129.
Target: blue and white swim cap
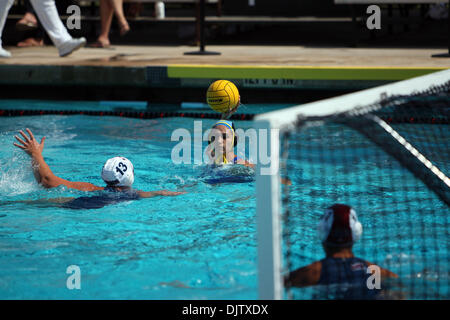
column 118, row 172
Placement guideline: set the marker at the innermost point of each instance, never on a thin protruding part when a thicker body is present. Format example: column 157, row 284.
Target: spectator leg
column 48, row 16
column 117, row 6
column 106, row 16
column 5, row 5
column 40, row 32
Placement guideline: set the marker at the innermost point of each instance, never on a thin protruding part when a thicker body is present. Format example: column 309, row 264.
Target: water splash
column 16, row 176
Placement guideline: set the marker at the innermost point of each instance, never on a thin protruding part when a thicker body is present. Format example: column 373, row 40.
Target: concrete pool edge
column 176, row 76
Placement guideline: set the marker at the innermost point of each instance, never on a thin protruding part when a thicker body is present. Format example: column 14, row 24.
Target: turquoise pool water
column 200, row 245
column 405, row 225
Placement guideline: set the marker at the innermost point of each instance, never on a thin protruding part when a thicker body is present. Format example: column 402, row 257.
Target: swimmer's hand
column 245, row 163
column 41, row 170
column 150, row 194
column 29, row 144
column 228, row 114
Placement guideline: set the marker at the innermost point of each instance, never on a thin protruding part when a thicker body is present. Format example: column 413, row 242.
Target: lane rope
column 182, row 114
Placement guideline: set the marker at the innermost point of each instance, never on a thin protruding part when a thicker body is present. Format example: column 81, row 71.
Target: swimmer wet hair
column 112, row 183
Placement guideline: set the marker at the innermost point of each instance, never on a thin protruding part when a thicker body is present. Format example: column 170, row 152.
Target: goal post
column 268, row 221
column 361, row 106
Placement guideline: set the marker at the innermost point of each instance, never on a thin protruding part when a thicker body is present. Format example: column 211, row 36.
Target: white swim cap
column 118, row 171
column 339, row 226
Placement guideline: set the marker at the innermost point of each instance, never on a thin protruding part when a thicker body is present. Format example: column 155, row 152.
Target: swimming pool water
column 200, row 245
column 405, row 224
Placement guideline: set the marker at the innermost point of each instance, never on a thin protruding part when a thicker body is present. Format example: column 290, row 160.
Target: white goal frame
column 268, row 187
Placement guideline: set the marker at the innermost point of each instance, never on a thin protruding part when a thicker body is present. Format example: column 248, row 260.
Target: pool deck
column 139, row 56
column 251, row 66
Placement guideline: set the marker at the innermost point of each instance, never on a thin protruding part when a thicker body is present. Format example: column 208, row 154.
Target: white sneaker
column 70, row 46
column 4, row 53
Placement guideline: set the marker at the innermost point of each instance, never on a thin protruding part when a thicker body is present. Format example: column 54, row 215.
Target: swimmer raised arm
column 229, row 113
column 41, row 170
column 118, row 172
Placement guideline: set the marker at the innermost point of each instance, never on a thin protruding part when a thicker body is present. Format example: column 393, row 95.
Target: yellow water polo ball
column 222, row 96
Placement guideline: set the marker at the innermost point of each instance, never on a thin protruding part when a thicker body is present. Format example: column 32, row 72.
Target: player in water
column 222, row 141
column 339, row 229
column 117, row 172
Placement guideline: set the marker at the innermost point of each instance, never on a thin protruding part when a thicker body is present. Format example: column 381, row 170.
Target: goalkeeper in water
column 343, row 275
